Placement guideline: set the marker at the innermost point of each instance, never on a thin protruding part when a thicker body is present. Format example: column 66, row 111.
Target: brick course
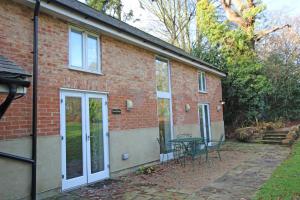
column 128, row 73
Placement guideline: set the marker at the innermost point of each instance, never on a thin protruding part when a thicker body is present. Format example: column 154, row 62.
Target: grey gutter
column 116, row 24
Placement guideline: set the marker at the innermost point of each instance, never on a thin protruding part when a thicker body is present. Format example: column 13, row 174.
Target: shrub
column 146, row 170
column 269, row 125
column 245, row 134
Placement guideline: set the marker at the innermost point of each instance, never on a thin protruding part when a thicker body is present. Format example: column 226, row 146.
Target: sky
column 147, row 23
column 291, row 7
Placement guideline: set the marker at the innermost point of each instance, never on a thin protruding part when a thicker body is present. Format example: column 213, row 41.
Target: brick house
column 107, row 91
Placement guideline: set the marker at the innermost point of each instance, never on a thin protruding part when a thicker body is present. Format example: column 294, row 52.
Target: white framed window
column 162, row 77
column 84, row 51
column 202, row 82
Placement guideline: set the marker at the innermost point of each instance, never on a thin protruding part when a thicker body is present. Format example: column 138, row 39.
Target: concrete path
column 244, row 180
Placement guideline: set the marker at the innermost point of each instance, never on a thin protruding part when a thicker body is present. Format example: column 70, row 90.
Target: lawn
column 284, row 183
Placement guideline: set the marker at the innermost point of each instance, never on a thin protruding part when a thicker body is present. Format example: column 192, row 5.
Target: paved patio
column 243, row 169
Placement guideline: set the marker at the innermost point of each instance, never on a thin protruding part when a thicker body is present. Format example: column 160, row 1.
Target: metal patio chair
column 200, row 149
column 216, row 146
column 168, row 148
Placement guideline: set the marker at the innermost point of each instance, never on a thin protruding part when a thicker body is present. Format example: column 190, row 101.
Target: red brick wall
column 185, row 91
column 128, row 73
column 16, row 44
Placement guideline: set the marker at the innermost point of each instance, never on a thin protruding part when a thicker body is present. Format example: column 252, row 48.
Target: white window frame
column 162, row 94
column 203, row 83
column 166, row 95
column 202, row 105
column 85, row 35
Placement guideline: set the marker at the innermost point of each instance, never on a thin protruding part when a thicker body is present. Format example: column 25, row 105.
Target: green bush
column 146, row 170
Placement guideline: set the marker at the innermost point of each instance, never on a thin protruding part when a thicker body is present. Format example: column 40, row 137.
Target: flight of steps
column 274, row 136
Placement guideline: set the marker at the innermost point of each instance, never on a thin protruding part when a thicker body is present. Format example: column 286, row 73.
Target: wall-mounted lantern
column 13, row 82
column 129, row 104
column 187, row 107
column 219, row 107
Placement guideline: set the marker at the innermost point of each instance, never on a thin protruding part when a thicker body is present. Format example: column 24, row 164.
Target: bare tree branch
column 264, row 33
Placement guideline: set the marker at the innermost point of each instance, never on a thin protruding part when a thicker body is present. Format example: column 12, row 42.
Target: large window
column 84, row 53
column 164, row 104
column 202, row 81
column 162, row 75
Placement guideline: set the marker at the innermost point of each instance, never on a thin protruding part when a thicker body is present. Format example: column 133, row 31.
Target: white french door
column 204, row 120
column 84, row 134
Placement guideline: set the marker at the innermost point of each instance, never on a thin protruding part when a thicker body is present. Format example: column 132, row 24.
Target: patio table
column 190, row 145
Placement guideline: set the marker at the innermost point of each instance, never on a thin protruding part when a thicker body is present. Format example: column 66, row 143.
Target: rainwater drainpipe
column 34, row 97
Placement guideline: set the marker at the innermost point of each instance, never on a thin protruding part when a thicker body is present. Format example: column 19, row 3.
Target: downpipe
column 34, row 97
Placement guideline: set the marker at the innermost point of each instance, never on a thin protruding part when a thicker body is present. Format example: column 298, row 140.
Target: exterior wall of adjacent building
column 128, row 72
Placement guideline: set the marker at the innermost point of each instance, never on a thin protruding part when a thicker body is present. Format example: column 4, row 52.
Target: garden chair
column 176, row 149
column 216, row 146
column 201, row 149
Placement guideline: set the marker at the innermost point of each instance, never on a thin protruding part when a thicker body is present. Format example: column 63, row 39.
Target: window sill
column 85, row 71
column 203, row 92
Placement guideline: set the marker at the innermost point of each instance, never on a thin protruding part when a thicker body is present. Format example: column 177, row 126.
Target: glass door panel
column 163, row 109
column 73, row 139
column 96, row 134
column 97, row 143
column 204, row 120
column 207, row 123
column 201, row 122
column 74, row 156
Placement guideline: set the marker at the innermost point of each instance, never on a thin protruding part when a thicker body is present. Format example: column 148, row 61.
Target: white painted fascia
column 79, row 19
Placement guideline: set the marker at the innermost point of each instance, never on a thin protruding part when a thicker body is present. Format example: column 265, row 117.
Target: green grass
column 284, row 183
column 74, row 141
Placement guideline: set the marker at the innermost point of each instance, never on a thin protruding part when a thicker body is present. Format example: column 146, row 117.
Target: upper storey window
column 84, row 51
column 202, row 81
column 162, row 75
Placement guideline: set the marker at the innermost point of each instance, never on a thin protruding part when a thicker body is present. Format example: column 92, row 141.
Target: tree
column 280, row 54
column 245, row 87
column 175, row 16
column 113, row 8
column 244, row 15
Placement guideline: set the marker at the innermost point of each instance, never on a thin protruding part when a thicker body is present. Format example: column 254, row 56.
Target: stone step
column 269, row 141
column 274, row 137
column 276, row 132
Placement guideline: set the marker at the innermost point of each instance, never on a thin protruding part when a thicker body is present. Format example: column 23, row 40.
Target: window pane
column 206, row 122
column 163, row 109
column 200, row 81
column 76, row 52
column 92, row 53
column 162, row 76
column 203, row 82
column 201, row 121
column 96, row 134
column 74, row 137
